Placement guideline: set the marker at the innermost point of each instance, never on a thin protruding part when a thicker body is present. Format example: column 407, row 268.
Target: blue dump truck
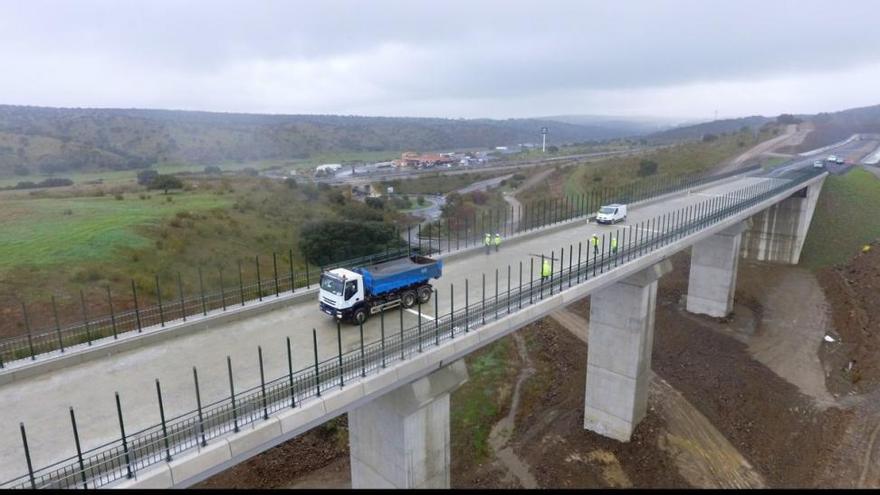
column 353, row 295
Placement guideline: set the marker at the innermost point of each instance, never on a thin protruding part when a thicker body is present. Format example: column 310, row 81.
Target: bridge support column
column 713, row 273
column 619, row 356
column 777, row 234
column 401, row 440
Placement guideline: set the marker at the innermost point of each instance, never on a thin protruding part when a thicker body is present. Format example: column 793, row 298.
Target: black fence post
column 232, row 394
column 128, row 469
column 164, row 426
column 27, row 326
column 363, row 359
column 159, row 297
column 483, row 303
column 451, row 311
column 240, row 284
column 27, row 456
column 275, row 272
column 579, row 263
column 339, row 348
column 82, row 300
column 259, row 280
column 202, row 292
column 112, row 314
column 519, row 288
column 199, row 406
column 436, row 319
column 467, row 306
column 180, row 293
column 508, row 289
column 290, row 374
column 419, row 321
column 402, row 355
column 308, row 279
column 290, row 270
column 222, row 291
column 79, row 455
column 57, row 324
column 317, row 369
column 531, row 277
column 263, row 383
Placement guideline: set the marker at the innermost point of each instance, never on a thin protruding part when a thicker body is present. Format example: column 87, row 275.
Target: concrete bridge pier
column 401, row 440
column 777, row 234
column 619, row 356
column 712, row 282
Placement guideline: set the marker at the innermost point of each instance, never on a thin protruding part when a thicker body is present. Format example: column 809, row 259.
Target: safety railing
column 133, row 452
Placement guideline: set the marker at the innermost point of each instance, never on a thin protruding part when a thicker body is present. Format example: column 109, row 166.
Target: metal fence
column 133, row 452
column 283, row 279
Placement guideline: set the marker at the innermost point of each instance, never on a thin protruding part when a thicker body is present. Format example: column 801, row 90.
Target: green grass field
column 846, row 218
column 40, row 232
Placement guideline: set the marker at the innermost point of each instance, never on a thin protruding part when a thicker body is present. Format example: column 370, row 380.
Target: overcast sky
column 444, row 58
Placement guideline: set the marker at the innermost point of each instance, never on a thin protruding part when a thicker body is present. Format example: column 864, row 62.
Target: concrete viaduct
column 399, row 411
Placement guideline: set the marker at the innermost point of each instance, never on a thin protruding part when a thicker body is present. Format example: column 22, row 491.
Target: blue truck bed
column 393, row 275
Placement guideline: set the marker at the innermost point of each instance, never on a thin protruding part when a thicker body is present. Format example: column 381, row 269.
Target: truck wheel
column 359, row 316
column 408, row 299
column 424, row 294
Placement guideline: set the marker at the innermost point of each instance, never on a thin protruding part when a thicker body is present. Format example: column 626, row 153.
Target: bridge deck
column 42, row 402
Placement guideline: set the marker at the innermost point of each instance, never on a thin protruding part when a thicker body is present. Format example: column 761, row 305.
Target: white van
column 610, row 214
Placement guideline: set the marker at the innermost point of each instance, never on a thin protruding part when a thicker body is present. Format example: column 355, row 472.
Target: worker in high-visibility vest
column 595, row 241
column 614, row 245
column 487, row 240
column 546, row 268
column 497, row 241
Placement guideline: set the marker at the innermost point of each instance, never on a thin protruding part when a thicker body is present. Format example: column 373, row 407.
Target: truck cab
column 341, row 290
column 610, row 214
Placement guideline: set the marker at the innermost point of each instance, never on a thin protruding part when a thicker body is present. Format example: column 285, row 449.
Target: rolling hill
column 55, row 140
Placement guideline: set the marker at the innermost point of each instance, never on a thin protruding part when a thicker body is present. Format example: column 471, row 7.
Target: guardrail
column 132, row 452
column 283, row 279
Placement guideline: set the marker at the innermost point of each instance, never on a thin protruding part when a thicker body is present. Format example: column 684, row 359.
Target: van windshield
column 331, row 284
column 607, row 210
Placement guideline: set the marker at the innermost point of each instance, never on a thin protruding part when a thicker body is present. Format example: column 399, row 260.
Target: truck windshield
column 331, row 284
column 607, row 210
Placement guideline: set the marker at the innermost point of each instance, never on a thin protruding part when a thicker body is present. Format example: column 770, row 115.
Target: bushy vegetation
column 326, row 241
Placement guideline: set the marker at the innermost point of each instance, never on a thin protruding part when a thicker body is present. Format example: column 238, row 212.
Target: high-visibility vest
column 487, row 240
column 497, row 240
column 595, row 241
column 546, row 269
column 614, row 243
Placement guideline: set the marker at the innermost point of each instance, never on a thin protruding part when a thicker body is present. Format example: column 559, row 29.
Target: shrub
column 647, row 168
column 118, row 197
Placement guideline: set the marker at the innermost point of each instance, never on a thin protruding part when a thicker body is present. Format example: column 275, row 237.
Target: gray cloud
column 449, row 58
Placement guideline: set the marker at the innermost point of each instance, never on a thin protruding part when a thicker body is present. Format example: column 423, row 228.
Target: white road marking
column 424, row 316
column 708, row 195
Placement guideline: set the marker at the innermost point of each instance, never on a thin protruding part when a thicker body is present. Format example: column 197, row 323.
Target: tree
column 146, row 177
column 552, row 149
column 213, row 170
column 647, row 168
column 709, row 137
column 166, row 182
column 325, row 241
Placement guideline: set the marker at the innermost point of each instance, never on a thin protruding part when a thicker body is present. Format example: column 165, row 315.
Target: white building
column 328, row 167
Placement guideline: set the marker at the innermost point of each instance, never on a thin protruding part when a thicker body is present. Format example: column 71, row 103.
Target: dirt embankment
column 853, row 292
